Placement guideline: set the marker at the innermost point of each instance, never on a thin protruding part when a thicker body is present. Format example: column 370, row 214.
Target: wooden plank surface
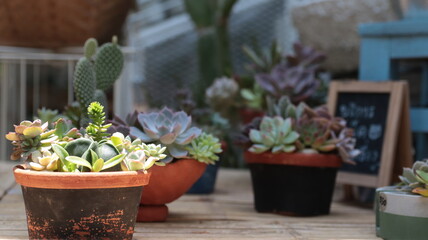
column 226, row 214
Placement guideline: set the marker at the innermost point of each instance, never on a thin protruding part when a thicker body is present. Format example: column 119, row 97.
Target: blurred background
column 175, row 49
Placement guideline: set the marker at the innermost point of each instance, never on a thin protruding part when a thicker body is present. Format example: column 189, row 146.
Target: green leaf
column 291, row 137
column 98, row 165
column 113, row 161
column 94, row 156
column 422, row 175
column 32, row 132
column 289, row 148
column 255, row 136
column 78, row 161
column 60, row 128
column 62, row 154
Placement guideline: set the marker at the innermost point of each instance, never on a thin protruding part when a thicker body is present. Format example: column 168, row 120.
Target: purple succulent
column 297, row 82
column 171, row 129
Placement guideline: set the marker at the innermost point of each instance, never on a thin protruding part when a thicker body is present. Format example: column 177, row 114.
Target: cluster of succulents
column 314, row 130
column 97, row 71
column 415, row 180
column 276, row 75
column 68, row 150
column 205, row 148
column 171, row 129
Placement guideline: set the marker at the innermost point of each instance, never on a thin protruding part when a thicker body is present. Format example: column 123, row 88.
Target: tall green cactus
column 211, row 21
column 97, row 71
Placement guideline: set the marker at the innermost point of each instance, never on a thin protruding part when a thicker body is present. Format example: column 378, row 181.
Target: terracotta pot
column 81, row 205
column 166, row 185
column 293, row 183
column 247, row 114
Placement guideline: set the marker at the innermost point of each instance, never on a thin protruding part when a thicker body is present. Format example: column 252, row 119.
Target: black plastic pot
column 206, row 183
column 289, row 189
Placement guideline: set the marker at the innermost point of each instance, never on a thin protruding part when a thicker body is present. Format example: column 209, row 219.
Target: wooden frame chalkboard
column 394, row 150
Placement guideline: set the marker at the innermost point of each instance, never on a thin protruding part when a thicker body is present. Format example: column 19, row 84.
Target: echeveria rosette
column 205, row 148
column 171, row 129
column 275, row 134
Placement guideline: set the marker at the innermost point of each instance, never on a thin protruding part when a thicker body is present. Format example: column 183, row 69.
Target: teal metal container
column 401, row 215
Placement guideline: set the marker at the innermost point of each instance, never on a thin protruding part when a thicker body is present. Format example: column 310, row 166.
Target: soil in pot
column 290, row 189
column 104, row 208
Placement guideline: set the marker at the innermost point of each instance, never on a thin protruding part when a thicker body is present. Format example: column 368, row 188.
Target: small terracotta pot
column 294, row 184
column 83, row 205
column 167, row 183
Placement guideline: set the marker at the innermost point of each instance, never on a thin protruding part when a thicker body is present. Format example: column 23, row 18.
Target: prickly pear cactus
column 96, row 72
column 100, row 97
column 108, row 65
column 84, row 82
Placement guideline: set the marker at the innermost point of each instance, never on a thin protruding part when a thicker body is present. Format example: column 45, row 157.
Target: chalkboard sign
column 366, row 114
column 379, row 114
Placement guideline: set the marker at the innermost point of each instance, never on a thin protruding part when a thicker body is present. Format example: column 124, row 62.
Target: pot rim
column 82, row 180
column 294, row 159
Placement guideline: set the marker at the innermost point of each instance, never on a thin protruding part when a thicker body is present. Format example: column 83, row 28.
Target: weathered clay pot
column 167, row 183
column 294, row 184
column 84, row 205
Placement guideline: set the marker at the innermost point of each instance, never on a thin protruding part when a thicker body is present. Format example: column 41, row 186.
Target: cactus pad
column 90, row 47
column 84, row 82
column 108, row 65
column 101, row 97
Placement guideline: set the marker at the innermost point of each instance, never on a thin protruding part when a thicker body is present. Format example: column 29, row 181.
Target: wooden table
column 226, row 214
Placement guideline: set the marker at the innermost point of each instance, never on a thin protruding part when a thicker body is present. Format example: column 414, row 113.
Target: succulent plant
column 297, row 82
column 253, row 97
column 144, row 158
column 345, row 144
column 123, row 125
column 205, row 148
column 415, row 180
column 275, row 134
column 305, row 56
column 66, row 150
column 221, row 94
column 263, row 60
column 172, row 129
column 48, row 115
column 97, row 71
column 97, row 129
column 285, row 108
column 27, row 138
column 315, row 135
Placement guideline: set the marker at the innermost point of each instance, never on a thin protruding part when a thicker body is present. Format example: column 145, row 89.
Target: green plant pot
column 401, row 215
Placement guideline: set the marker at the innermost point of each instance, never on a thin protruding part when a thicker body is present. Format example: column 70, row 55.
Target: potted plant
column 189, row 149
column 72, row 182
column 271, row 73
column 293, row 154
column 401, row 210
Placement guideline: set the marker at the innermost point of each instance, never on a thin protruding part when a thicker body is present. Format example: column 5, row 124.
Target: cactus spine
column 97, row 71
